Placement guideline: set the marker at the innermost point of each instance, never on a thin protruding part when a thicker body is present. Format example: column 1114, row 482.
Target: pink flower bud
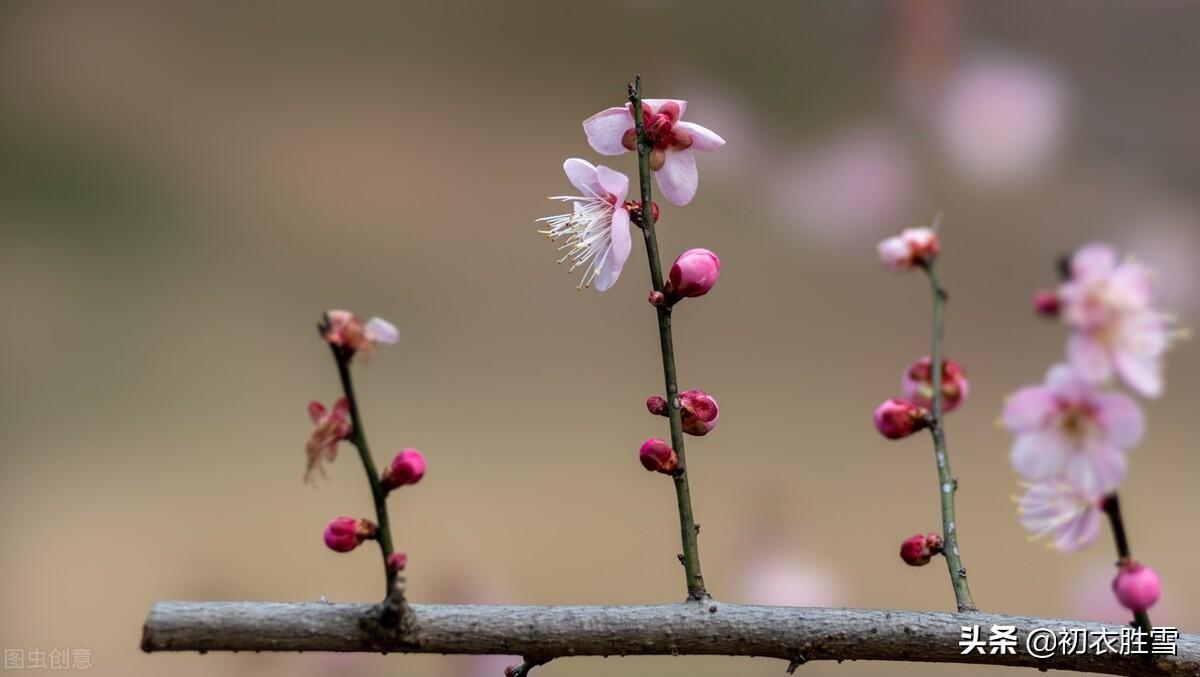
column 1137, row 587
column 699, row 412
column 658, row 456
column 694, row 273
column 657, row 298
column 913, row 246
column 1046, row 303
column 397, row 561
column 896, row 419
column 408, row 467
column 918, row 384
column 344, row 329
column 918, row 550
column 344, row 534
column 656, row 405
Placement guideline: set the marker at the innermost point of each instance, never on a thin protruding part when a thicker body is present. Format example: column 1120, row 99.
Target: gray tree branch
column 796, row 635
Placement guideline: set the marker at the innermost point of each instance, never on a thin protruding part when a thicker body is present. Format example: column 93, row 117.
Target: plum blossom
column 1108, row 305
column 597, row 228
column 1060, row 510
column 343, row 328
column 912, row 247
column 1067, row 429
column 333, row 426
column 918, row 384
column 611, row 132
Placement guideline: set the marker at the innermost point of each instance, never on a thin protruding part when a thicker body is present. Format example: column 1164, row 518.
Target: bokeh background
column 184, row 187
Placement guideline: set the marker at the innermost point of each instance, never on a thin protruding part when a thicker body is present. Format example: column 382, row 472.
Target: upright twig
column 1112, row 508
column 947, row 483
column 358, row 437
column 687, row 523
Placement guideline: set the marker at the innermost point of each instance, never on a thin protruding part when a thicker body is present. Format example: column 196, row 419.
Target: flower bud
column 656, row 405
column 658, row 456
column 1046, row 303
column 1137, row 587
column 657, row 298
column 694, row 273
column 896, row 419
column 397, row 561
column 912, row 247
column 408, row 467
column 344, row 534
column 344, row 329
column 918, row 550
column 699, row 412
column 918, row 384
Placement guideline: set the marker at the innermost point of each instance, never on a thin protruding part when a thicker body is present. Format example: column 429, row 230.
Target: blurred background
column 185, row 187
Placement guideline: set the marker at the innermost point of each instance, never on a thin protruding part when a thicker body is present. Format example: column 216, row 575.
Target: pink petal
column 1030, row 408
column 703, row 138
column 1142, row 373
column 1121, row 419
column 341, row 408
column 1040, row 455
column 1096, row 470
column 380, row 330
column 610, row 270
column 1093, row 262
column 614, row 183
column 605, row 129
column 1089, row 357
column 583, row 175
column 316, row 411
column 1078, row 532
column 1066, row 384
column 656, row 104
column 678, row 177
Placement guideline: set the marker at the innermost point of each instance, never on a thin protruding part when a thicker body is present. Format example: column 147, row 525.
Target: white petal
column 379, row 330
column 621, row 246
column 678, row 177
column 614, row 183
column 582, row 175
column 703, row 138
column 605, row 129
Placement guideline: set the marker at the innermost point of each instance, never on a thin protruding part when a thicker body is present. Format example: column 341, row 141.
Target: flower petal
column 703, row 138
column 1096, row 470
column 622, row 243
column 1030, row 408
column 1093, row 262
column 1040, row 455
column 582, row 175
column 1089, row 357
column 316, row 411
column 379, row 330
column 1066, row 384
column 1078, row 532
column 656, row 104
column 614, row 183
column 678, row 177
column 1121, row 419
column 605, row 129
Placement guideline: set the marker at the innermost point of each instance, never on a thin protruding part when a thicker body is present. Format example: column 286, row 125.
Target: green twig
column 947, row 483
column 687, row 524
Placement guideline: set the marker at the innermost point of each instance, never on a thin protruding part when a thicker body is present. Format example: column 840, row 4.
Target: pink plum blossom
column 611, row 132
column 597, row 228
column 332, row 426
column 694, row 273
column 912, row 247
column 1060, row 510
column 1107, row 303
column 1065, row 428
column 896, row 419
column 699, row 412
column 343, row 328
column 344, row 534
column 658, row 456
column 918, row 384
column 408, row 467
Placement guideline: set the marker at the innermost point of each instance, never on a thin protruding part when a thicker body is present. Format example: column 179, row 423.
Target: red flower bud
column 699, row 412
column 656, row 405
column 658, row 456
column 397, row 561
column 1137, row 586
column 344, row 534
column 896, row 419
column 918, row 384
column 1046, row 303
column 918, row 550
column 408, row 467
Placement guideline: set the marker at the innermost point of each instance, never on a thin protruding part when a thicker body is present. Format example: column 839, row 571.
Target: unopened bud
column 912, row 247
column 918, row 384
column 408, row 467
column 896, row 419
column 694, row 273
column 657, row 298
column 658, row 456
column 699, row 412
column 344, row 534
column 656, row 405
column 397, row 561
column 1046, row 303
column 918, row 550
column 1137, row 586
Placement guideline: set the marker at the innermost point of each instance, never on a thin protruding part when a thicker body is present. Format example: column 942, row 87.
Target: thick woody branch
column 795, row 635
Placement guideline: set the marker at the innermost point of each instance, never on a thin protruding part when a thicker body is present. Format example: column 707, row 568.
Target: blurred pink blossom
column 332, row 426
column 777, row 579
column 1000, row 119
column 1060, row 510
column 1066, row 429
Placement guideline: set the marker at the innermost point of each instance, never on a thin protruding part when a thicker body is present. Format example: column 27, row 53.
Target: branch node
column 796, row 662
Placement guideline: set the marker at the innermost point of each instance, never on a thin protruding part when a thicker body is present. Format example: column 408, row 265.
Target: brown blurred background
column 185, row 187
